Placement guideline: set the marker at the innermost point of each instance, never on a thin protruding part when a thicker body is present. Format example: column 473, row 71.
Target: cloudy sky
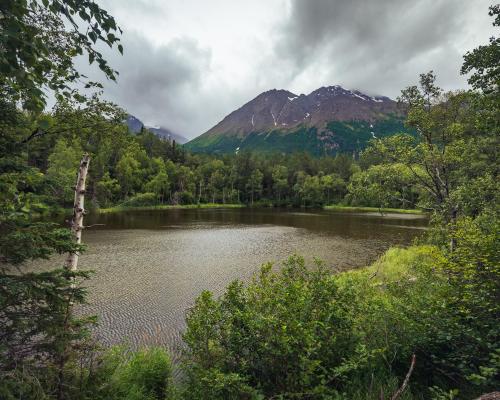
column 188, row 63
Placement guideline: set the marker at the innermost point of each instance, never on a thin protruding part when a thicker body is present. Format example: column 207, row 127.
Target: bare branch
column 400, row 391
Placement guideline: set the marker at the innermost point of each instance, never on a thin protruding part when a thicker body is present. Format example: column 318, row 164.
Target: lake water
column 150, row 265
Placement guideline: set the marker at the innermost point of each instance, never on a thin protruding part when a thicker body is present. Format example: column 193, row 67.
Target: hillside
column 135, row 125
column 327, row 121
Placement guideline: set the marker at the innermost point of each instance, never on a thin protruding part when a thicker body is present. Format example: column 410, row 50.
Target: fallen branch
column 490, row 396
column 400, row 391
column 91, row 226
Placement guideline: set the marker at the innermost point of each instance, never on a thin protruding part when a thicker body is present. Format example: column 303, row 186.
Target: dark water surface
column 150, row 265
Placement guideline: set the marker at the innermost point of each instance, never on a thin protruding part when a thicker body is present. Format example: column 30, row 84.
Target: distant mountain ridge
column 326, row 121
column 135, row 125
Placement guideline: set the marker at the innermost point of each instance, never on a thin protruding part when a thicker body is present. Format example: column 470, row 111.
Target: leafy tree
column 254, row 184
column 385, row 185
column 299, row 187
column 474, row 272
column 39, row 336
column 39, row 41
column 447, row 143
column 332, row 183
column 185, row 185
column 280, row 180
column 217, row 184
column 128, row 169
column 484, row 61
column 343, row 165
column 61, row 173
column 107, row 189
column 159, row 184
column 312, row 190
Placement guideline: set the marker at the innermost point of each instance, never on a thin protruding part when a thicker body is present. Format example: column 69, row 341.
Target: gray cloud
column 158, row 84
column 376, row 46
column 188, row 64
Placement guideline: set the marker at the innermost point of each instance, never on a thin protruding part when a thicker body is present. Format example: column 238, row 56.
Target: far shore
column 335, row 208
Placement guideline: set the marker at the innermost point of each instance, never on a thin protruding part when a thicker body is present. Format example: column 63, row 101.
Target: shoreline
column 165, row 207
column 374, row 209
column 334, row 208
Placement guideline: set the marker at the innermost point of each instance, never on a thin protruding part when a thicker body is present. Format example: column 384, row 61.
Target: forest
column 134, row 170
column 420, row 323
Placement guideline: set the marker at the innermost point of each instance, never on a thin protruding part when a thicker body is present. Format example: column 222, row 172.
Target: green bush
column 212, row 383
column 419, row 300
column 287, row 333
column 186, row 197
column 307, row 332
column 142, row 375
column 141, row 199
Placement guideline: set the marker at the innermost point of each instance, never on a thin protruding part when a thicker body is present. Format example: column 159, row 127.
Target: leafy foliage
column 484, row 61
column 304, row 332
column 284, row 334
column 142, row 375
column 38, row 41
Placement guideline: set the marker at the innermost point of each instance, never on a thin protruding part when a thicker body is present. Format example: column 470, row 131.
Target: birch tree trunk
column 78, row 211
column 71, row 265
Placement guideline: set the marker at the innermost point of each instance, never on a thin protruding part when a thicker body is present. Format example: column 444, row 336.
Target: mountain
column 167, row 134
column 135, row 125
column 327, row 121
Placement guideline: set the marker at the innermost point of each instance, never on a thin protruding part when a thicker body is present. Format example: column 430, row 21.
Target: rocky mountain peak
column 280, row 113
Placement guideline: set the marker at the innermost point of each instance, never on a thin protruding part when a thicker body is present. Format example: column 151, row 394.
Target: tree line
column 402, row 171
column 144, row 170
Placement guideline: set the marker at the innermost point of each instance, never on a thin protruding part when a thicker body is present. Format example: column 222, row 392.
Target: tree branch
column 400, row 391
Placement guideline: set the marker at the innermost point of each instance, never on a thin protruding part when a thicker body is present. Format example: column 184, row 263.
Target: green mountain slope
column 338, row 137
column 329, row 120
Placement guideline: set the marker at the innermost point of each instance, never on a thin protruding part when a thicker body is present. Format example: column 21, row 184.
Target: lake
column 150, row 265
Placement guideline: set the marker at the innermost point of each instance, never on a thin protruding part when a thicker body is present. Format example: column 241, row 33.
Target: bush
column 142, row 375
column 420, row 300
column 141, row 199
column 186, row 198
column 286, row 333
column 212, row 383
column 307, row 332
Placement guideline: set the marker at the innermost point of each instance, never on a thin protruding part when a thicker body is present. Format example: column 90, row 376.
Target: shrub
column 286, row 333
column 142, row 375
column 186, row 197
column 141, row 199
column 307, row 333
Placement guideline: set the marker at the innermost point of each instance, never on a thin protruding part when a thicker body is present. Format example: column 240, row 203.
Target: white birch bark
column 78, row 211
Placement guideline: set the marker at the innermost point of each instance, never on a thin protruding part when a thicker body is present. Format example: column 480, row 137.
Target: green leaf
column 43, row 124
column 93, row 36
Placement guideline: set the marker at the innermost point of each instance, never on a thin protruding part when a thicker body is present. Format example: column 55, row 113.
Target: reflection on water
column 150, row 265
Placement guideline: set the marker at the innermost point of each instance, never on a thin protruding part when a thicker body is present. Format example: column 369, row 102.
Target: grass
column 166, row 207
column 398, row 262
column 373, row 209
column 339, row 208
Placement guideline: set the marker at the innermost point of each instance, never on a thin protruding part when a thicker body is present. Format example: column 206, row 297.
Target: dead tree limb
column 400, row 391
column 78, row 212
column 490, row 396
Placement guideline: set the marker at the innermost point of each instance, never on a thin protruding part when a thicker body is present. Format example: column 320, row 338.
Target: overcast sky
column 188, row 63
